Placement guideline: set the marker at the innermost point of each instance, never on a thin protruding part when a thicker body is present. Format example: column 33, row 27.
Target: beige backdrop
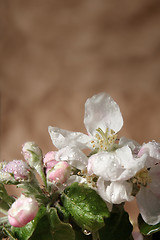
column 56, row 54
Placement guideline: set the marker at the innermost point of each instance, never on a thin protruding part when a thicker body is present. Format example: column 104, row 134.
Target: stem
column 95, row 236
column 40, row 171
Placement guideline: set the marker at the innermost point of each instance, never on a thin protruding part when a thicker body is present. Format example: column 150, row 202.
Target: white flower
column 114, row 169
column 148, row 198
column 102, row 120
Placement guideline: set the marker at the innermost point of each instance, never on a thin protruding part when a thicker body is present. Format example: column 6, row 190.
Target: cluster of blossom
column 118, row 169
column 124, row 169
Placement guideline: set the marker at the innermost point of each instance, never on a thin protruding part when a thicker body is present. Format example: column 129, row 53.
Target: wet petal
column 74, row 156
column 152, row 149
column 62, row 138
column 115, row 192
column 115, row 166
column 101, row 111
column 134, row 146
column 149, row 206
column 154, row 174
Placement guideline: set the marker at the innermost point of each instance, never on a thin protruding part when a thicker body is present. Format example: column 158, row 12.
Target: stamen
column 104, row 140
column 142, row 178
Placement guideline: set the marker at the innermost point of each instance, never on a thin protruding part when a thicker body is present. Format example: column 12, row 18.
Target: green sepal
column 5, row 200
column 117, row 226
column 85, row 206
column 147, row 229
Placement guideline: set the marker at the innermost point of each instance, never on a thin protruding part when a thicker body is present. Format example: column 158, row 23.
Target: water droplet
column 86, row 232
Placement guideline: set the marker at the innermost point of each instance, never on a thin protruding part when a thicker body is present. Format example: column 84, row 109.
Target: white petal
column 134, row 146
column 101, row 111
column 149, row 206
column 62, row 138
column 115, row 192
column 115, row 166
column 154, row 174
column 74, row 156
column 72, row 179
column 75, row 178
column 153, row 151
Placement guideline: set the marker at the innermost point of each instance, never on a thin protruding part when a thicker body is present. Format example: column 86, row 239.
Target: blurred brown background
column 56, row 54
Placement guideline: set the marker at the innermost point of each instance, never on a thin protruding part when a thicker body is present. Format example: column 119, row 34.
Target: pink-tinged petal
column 115, row 166
column 149, row 206
column 101, row 111
column 74, row 156
column 22, row 211
column 62, row 138
column 18, row 168
column 115, row 192
column 59, row 173
column 50, row 156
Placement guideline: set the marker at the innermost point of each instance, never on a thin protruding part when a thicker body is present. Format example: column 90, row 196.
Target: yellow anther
column 142, row 177
column 104, row 141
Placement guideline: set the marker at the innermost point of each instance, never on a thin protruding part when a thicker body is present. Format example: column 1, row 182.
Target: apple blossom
column 18, row 168
column 22, row 211
column 148, row 197
column 102, row 120
column 59, row 173
column 49, row 160
column 32, row 153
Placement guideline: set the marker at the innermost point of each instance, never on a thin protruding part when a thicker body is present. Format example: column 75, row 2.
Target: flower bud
column 32, row 153
column 49, row 160
column 59, row 173
column 18, row 168
column 22, row 211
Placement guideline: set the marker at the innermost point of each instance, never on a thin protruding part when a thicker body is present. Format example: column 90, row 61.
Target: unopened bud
column 22, row 211
column 49, row 160
column 32, row 153
column 59, row 173
column 18, row 168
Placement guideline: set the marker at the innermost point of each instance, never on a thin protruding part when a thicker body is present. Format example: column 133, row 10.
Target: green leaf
column 60, row 229
column 86, row 207
column 147, row 229
column 117, row 226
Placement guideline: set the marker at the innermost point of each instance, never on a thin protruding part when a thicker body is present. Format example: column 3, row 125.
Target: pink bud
column 18, row 168
column 49, row 160
column 59, row 173
column 22, row 211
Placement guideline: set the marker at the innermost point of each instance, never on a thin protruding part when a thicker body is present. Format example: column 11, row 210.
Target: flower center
column 104, row 141
column 142, row 178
